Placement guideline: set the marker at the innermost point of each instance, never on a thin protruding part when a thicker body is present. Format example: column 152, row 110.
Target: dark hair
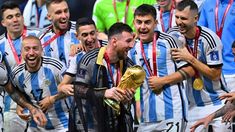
column 185, row 3
column 8, row 5
column 233, row 44
column 118, row 28
column 144, row 10
column 84, row 21
column 48, row 2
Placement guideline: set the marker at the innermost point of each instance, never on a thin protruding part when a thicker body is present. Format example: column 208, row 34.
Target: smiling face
column 58, row 14
column 87, row 34
column 32, row 53
column 186, row 21
column 13, row 20
column 145, row 27
column 123, row 43
column 164, row 3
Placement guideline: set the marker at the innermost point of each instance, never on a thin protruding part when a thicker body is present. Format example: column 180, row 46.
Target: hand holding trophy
column 133, row 78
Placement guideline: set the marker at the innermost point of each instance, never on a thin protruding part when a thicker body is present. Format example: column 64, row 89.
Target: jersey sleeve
column 214, row 52
column 73, row 64
column 83, row 73
column 3, row 76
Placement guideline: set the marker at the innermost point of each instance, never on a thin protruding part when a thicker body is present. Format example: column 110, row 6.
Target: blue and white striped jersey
column 3, row 77
column 10, row 61
column 59, row 48
column 43, row 83
column 172, row 102
column 209, row 52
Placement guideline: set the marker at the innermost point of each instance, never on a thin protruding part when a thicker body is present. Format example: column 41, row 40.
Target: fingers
column 67, row 89
column 39, row 117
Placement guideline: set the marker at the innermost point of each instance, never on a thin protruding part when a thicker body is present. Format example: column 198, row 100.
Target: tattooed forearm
column 227, row 107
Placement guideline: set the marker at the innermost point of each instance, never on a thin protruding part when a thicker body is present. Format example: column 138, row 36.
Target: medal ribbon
column 126, row 10
column 50, row 40
column 219, row 30
column 170, row 21
column 154, row 54
column 18, row 59
column 194, row 50
column 110, row 70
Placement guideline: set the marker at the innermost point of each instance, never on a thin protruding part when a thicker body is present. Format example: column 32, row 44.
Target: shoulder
column 90, row 57
column 209, row 37
column 73, row 26
column 18, row 69
column 2, row 36
column 172, row 41
column 52, row 63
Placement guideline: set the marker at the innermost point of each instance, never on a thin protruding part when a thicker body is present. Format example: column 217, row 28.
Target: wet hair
column 84, row 21
column 49, row 2
column 185, row 3
column 8, row 5
column 144, row 10
column 118, row 28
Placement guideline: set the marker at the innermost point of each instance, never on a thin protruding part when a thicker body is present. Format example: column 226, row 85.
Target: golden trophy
column 133, row 78
column 198, row 84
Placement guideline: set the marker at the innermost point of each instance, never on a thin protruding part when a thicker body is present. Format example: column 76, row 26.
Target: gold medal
column 198, row 84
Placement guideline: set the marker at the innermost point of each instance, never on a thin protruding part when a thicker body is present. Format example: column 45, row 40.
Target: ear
column 114, row 41
column 49, row 17
column 3, row 23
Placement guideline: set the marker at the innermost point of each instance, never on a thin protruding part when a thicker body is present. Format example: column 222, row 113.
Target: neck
column 112, row 55
column 15, row 34
column 57, row 31
column 166, row 8
column 40, row 2
column 120, row 0
column 192, row 33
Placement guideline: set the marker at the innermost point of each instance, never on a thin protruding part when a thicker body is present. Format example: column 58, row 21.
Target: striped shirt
column 209, row 52
column 10, row 61
column 43, row 83
column 171, row 103
column 59, row 47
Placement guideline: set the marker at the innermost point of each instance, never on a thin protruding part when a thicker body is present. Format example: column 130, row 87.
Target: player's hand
column 228, row 117
column 21, row 114
column 156, row 82
column 204, row 121
column 46, row 103
column 129, row 94
column 38, row 116
column 75, row 48
column 67, row 89
column 114, row 93
column 228, row 96
column 179, row 54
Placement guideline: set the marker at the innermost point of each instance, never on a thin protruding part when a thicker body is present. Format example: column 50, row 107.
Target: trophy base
column 113, row 104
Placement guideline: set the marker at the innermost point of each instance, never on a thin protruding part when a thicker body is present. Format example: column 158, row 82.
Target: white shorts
column 170, row 125
column 13, row 123
column 216, row 124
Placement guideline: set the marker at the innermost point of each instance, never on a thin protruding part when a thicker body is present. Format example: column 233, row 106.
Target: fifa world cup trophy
column 133, row 78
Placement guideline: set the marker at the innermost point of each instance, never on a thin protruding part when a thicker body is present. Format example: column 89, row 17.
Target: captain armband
column 183, row 74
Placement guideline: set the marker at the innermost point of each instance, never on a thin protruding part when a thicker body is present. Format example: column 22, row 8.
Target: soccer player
column 98, row 75
column 10, row 46
column 87, row 34
column 165, row 15
column 58, row 38
column 203, row 50
column 162, row 96
column 38, row 77
column 18, row 97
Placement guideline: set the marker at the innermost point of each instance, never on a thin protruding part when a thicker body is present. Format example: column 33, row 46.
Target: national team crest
column 47, row 82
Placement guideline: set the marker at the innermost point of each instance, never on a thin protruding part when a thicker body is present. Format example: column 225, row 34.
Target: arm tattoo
column 228, row 106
